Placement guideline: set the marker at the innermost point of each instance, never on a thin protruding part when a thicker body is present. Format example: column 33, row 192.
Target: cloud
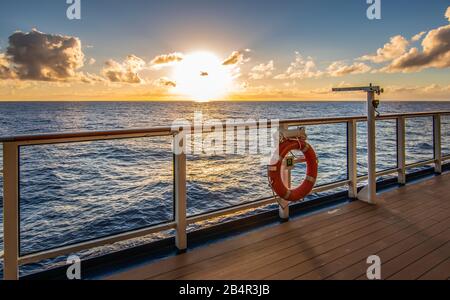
column 432, row 91
column 38, row 56
column 90, row 78
column 300, row 68
column 391, row 50
column 165, row 59
column 236, row 57
column 165, row 82
column 126, row 72
column 5, row 69
column 418, row 36
column 262, row 71
column 339, row 68
column 435, row 53
column 91, row 61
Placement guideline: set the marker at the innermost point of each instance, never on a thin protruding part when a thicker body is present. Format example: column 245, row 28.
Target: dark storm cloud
column 38, row 56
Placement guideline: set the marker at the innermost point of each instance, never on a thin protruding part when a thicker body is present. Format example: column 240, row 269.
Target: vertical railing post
column 352, row 159
column 283, row 205
column 180, row 193
column 437, row 144
column 369, row 192
column 371, row 149
column 11, row 211
column 401, row 150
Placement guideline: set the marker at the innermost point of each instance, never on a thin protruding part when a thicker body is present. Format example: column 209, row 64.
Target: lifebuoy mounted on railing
column 295, row 140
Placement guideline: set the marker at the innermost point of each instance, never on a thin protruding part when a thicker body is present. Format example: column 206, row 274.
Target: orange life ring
column 275, row 170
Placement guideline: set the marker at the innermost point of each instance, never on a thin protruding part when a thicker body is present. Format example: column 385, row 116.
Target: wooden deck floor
column 408, row 230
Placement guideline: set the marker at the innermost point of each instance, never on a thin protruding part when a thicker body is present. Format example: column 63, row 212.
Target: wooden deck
column 408, row 230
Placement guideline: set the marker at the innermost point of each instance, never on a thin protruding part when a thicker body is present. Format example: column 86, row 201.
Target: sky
column 223, row 50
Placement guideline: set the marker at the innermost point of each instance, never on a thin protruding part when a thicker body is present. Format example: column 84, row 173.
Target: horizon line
column 210, row 101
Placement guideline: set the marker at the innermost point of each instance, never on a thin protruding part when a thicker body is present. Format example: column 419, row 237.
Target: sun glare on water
column 202, row 77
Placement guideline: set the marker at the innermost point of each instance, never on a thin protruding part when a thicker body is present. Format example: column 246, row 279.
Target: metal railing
column 11, row 162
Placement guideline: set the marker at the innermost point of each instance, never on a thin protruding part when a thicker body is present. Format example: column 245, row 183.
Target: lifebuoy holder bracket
column 290, row 140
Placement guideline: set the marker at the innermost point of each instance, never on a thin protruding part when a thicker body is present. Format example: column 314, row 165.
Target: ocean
column 80, row 191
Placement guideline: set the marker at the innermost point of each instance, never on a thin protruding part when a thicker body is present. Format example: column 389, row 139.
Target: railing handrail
column 161, row 131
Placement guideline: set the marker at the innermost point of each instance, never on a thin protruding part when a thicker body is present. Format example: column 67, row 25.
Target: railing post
column 371, row 151
column 283, row 205
column 437, row 144
column 352, row 159
column 180, row 194
column 369, row 192
column 401, row 150
column 11, row 211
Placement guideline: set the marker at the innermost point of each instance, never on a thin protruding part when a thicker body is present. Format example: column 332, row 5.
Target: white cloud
column 435, row 52
column 165, row 82
column 5, row 68
column 418, row 36
column 262, row 71
column 300, row 68
column 91, row 78
column 432, row 91
column 236, row 58
column 126, row 72
column 394, row 48
column 166, row 59
column 339, row 68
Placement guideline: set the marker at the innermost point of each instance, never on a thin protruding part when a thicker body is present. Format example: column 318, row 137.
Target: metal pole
column 401, row 150
column 11, row 211
column 352, row 160
column 437, row 144
column 368, row 193
column 283, row 205
column 180, row 195
column 371, row 145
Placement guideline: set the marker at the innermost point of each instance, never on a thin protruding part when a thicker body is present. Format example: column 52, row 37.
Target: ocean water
column 80, row 191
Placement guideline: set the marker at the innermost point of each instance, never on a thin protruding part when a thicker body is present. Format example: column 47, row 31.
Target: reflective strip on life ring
column 275, row 171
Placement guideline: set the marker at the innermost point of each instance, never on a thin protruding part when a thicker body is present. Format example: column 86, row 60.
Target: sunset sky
column 222, row 50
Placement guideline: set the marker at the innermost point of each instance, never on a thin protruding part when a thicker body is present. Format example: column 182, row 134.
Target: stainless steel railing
column 11, row 161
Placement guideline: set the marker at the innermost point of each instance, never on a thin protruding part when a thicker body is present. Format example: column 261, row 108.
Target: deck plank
column 423, row 265
column 278, row 261
column 358, row 270
column 335, row 264
column 441, row 271
column 303, row 237
column 165, row 265
column 342, row 247
column 408, row 229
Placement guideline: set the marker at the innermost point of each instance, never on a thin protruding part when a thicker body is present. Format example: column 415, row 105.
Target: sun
column 200, row 76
